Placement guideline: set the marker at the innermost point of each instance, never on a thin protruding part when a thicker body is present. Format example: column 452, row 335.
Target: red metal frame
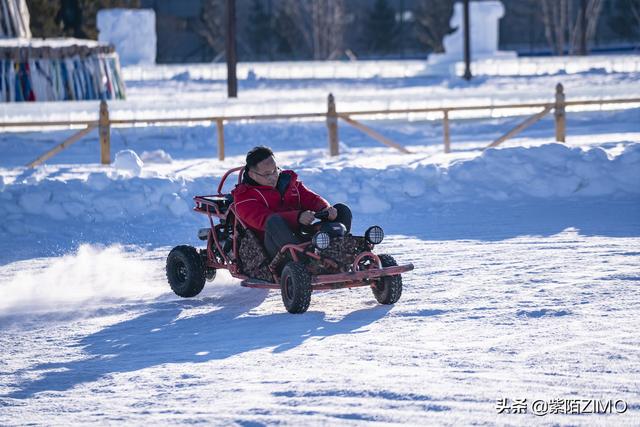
column 351, row 279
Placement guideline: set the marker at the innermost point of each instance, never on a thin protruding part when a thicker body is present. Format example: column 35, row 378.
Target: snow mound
column 156, row 156
column 90, row 276
column 128, row 163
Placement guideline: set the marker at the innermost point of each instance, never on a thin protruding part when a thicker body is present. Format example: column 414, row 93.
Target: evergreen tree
column 47, row 17
column 42, row 18
column 381, row 28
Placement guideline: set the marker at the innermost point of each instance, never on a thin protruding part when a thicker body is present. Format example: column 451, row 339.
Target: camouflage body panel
column 253, row 261
column 343, row 251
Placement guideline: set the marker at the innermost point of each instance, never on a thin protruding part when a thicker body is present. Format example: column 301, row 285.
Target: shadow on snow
column 160, row 337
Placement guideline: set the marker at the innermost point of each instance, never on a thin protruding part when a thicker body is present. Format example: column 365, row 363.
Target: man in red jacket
column 275, row 205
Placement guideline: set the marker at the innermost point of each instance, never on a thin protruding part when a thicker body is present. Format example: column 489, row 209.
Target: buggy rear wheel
column 185, row 271
column 387, row 289
column 295, row 287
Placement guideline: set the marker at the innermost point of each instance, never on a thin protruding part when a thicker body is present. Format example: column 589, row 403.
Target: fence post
column 104, row 130
column 332, row 126
column 445, row 131
column 559, row 112
column 220, row 127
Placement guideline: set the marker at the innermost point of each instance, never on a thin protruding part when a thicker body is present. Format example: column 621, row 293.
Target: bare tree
column 563, row 23
column 594, row 9
column 321, row 23
column 554, row 24
column 211, row 25
column 432, row 18
column 635, row 11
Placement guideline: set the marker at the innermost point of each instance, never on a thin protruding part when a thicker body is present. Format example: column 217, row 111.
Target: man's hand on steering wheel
column 333, row 213
column 306, row 217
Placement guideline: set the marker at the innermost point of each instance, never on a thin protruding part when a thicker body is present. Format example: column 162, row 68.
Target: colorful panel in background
column 92, row 77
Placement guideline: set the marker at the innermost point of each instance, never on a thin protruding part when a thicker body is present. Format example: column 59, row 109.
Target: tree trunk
column 593, row 15
column 320, row 23
column 550, row 21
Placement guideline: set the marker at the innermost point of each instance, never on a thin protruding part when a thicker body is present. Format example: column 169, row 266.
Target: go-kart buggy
column 329, row 259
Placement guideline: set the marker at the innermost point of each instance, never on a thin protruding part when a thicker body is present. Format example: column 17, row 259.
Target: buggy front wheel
column 185, row 271
column 387, row 289
column 295, row 286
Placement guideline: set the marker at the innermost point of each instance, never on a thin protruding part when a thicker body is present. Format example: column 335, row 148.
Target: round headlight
column 374, row 235
column 321, row 240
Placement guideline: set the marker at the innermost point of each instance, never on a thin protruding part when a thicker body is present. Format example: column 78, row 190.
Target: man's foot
column 279, row 261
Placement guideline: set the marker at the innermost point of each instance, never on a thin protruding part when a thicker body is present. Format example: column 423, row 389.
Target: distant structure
column 34, row 70
column 484, row 26
column 177, row 36
column 132, row 32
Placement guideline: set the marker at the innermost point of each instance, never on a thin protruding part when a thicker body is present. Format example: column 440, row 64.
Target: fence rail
column 332, row 117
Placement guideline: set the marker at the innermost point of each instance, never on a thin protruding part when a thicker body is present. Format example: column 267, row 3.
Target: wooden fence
column 332, row 117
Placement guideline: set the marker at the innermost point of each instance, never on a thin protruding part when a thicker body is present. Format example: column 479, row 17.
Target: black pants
column 277, row 232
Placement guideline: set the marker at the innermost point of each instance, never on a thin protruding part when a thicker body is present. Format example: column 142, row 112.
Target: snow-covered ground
column 200, row 90
column 525, row 286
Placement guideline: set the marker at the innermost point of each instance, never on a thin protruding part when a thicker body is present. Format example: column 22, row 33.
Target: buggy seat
column 214, row 204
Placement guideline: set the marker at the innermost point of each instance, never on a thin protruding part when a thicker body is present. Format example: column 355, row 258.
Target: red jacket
column 255, row 203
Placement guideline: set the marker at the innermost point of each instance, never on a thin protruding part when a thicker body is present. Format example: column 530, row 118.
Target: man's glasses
column 276, row 171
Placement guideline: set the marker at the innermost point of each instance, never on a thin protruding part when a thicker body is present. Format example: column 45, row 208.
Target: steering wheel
column 312, row 228
column 322, row 215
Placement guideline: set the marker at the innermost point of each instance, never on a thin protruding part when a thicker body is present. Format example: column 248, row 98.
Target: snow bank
column 552, row 171
column 102, row 197
column 538, row 66
column 280, row 70
column 388, row 69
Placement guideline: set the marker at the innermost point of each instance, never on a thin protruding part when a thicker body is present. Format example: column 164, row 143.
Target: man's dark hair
column 258, row 154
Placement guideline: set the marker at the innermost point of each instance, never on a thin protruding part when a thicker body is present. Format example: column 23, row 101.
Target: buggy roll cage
column 220, row 204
